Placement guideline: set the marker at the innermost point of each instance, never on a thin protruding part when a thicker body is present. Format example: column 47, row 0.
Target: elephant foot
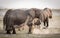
column 29, row 32
column 8, row 32
column 44, row 27
column 14, row 33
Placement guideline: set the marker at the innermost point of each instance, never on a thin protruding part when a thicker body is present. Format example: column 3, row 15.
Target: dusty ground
column 53, row 30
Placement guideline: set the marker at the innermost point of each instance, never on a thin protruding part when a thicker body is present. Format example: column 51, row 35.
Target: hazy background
column 54, row 4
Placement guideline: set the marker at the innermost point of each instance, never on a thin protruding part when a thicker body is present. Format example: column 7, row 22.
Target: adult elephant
column 17, row 17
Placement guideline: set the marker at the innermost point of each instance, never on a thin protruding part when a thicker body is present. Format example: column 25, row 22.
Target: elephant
column 46, row 14
column 17, row 17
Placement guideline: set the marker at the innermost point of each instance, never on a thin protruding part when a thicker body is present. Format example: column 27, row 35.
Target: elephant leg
column 8, row 26
column 8, row 32
column 29, row 23
column 30, row 28
column 44, row 25
column 14, row 32
column 47, row 22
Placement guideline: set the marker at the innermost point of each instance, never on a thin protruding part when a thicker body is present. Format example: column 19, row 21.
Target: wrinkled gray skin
column 17, row 17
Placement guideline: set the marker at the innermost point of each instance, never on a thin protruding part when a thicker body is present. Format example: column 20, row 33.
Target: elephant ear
column 32, row 13
column 41, row 17
column 50, row 10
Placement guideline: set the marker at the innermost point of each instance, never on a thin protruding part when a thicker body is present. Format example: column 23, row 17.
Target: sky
column 54, row 4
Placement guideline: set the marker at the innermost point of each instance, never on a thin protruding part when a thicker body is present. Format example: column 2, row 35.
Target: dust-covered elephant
column 17, row 17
